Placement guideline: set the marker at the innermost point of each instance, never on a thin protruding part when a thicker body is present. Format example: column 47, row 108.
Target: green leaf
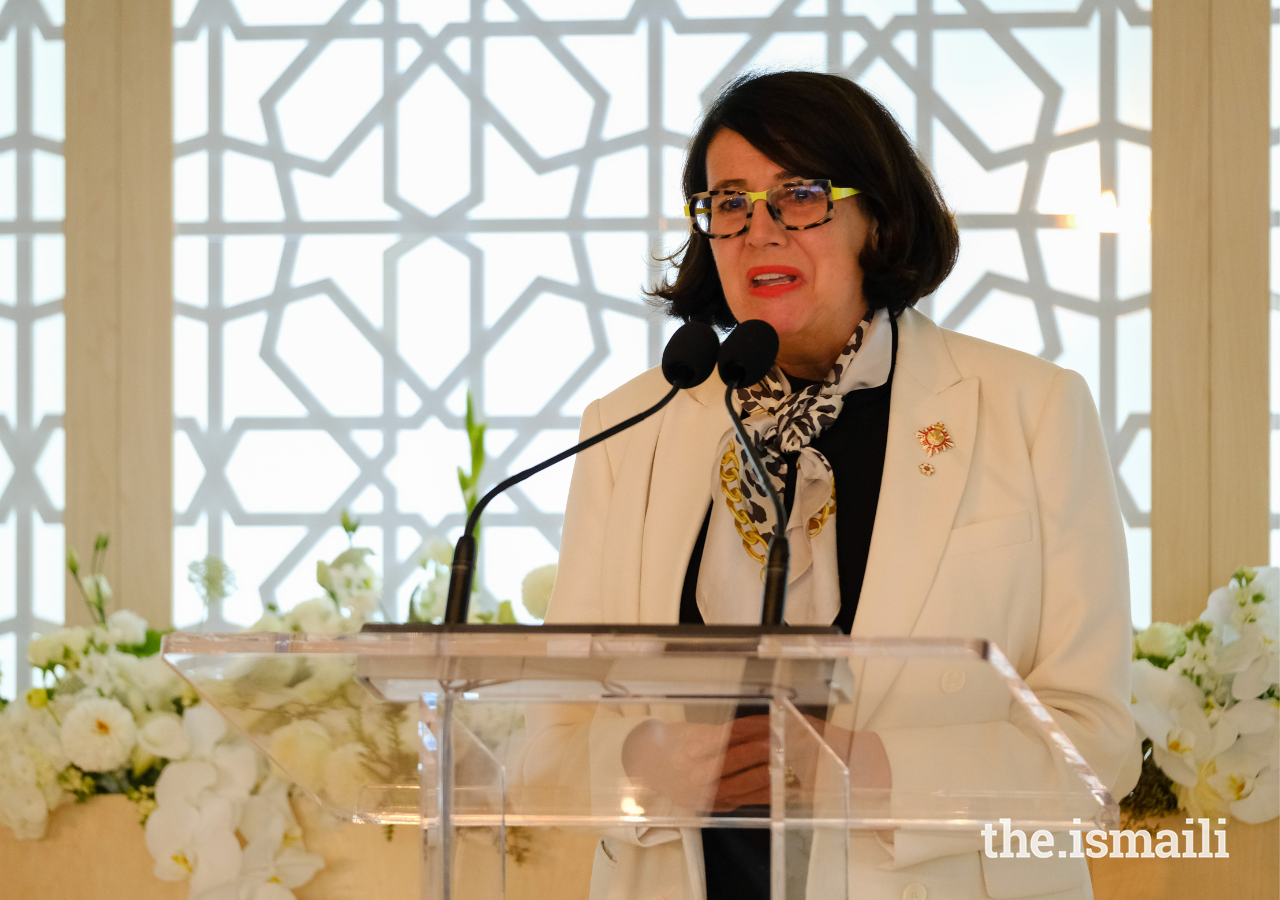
column 1198, row 631
column 149, row 647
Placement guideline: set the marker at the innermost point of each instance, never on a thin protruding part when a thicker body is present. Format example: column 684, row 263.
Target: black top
column 737, row 860
column 854, row 446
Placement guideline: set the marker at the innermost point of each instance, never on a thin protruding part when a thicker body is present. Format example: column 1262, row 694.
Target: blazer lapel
column 916, row 511
column 679, row 493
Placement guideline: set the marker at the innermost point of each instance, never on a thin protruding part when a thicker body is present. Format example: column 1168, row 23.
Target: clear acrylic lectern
column 538, row 760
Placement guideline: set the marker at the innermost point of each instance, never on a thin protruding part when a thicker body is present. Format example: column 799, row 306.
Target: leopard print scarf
column 783, row 424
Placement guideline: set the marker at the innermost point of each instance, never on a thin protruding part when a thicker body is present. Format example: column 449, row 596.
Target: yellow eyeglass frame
column 833, row 194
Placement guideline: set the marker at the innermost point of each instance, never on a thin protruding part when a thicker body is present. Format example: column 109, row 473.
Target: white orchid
column 163, row 736
column 206, row 807
column 1249, row 598
column 190, row 839
column 1213, row 715
column 1253, row 659
column 1168, row 710
column 274, row 853
column 233, row 762
column 1246, row 777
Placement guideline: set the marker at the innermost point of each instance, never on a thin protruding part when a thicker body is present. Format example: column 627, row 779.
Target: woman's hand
column 681, row 761
column 745, row 779
column 723, row 767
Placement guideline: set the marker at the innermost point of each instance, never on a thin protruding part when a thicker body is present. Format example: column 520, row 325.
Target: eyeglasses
column 797, row 205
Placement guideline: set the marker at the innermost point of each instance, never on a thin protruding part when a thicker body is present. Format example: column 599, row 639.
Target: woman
column 975, row 491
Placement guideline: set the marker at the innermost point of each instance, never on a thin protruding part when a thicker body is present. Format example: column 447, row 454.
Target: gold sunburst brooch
column 934, row 439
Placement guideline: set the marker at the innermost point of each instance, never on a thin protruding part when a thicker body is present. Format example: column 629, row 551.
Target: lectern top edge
column 581, row 640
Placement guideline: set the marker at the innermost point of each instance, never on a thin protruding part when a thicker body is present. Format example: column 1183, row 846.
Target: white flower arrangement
column 221, row 821
column 427, row 602
column 80, row 733
column 112, row 717
column 1206, row 700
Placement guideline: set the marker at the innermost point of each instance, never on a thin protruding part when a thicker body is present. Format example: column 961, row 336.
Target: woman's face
column 818, row 301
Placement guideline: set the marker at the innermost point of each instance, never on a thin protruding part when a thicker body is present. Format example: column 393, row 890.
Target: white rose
column 124, row 627
column 535, row 590
column 301, row 748
column 318, row 616
column 98, row 734
column 63, row 647
column 1163, row 640
column 41, row 652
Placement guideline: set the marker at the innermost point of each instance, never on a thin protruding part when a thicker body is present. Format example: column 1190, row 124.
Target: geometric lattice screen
column 383, row 203
column 31, row 330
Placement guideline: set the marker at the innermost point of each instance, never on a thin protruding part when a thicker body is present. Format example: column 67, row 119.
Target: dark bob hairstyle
column 823, row 126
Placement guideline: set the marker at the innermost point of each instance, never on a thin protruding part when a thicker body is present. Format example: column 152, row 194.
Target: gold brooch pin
column 926, row 469
column 934, row 439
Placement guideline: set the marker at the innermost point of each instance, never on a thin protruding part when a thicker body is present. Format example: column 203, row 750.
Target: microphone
column 746, row 356
column 688, row 360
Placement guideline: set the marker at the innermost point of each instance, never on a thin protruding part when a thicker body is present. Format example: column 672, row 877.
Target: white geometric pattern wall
column 31, row 331
column 382, row 203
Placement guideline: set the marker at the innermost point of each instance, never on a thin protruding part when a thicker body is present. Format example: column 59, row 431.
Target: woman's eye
column 731, row 204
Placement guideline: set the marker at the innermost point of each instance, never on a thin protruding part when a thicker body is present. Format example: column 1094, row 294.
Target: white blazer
column 1016, row 538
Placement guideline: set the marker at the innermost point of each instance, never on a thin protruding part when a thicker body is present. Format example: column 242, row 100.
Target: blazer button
column 952, row 681
column 915, row 891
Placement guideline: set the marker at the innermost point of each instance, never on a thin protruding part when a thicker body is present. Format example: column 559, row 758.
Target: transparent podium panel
column 543, row 761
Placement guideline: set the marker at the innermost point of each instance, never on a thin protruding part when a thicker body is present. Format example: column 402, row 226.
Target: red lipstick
column 773, row 281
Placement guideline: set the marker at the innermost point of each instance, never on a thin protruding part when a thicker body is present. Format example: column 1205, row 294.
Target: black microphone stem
column 779, row 559
column 464, row 555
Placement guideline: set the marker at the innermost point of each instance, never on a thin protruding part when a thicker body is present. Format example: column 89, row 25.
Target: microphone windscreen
column 748, row 353
column 690, row 355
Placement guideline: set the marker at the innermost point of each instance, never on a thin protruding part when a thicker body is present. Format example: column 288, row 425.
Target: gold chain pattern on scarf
column 751, row 537
column 816, row 523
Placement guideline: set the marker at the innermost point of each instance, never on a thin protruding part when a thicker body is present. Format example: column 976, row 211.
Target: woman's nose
column 763, row 229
